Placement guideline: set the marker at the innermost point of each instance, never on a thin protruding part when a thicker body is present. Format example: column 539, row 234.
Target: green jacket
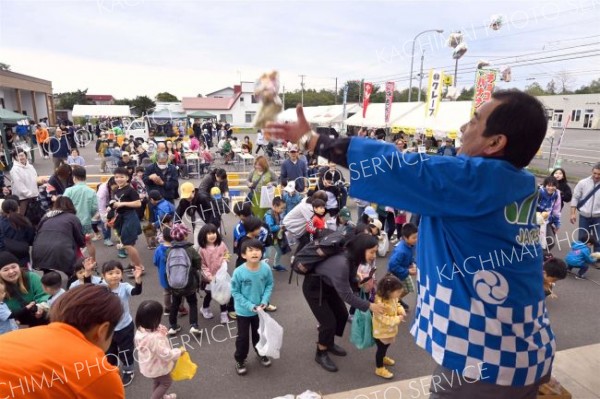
column 35, row 293
column 85, row 201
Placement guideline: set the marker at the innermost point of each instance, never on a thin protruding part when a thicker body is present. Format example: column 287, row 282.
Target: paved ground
column 573, row 317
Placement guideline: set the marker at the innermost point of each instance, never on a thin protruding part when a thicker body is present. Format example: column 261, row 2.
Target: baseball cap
column 290, row 187
column 370, row 212
column 124, row 154
column 186, row 191
column 345, row 214
column 377, row 223
column 215, row 192
column 294, row 147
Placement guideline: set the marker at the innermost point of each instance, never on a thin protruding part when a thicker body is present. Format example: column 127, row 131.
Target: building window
column 250, row 116
column 254, row 99
column 576, row 115
column 241, row 99
column 227, row 118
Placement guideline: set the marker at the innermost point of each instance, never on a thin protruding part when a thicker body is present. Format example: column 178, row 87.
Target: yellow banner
column 434, row 93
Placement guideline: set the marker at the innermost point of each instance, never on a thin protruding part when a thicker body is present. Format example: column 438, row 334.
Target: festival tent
column 450, row 117
column 289, row 115
column 101, row 110
column 333, row 114
column 201, row 115
column 375, row 116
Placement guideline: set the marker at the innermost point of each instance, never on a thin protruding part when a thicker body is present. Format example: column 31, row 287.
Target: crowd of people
column 50, row 275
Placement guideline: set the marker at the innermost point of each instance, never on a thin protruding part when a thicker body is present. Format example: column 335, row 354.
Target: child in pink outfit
column 155, row 355
column 214, row 255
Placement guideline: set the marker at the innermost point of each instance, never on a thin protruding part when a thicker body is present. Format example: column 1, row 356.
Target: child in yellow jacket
column 385, row 326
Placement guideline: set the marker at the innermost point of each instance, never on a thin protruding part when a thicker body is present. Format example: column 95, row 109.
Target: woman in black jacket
column 331, row 286
column 16, row 232
column 563, row 186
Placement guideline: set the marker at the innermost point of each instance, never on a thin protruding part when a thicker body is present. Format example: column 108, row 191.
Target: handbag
column 361, row 334
column 184, row 369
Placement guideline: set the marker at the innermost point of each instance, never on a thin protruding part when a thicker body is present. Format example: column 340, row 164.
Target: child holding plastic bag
column 214, row 255
column 251, row 287
column 385, row 326
column 155, row 355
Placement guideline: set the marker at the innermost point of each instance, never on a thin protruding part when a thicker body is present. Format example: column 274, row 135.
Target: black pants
column 208, row 298
column 381, row 352
column 260, row 146
column 121, row 348
column 399, row 230
column 388, row 223
column 328, row 308
column 246, row 326
column 192, row 300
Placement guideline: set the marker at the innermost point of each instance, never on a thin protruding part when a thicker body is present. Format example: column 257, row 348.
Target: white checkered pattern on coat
column 502, row 345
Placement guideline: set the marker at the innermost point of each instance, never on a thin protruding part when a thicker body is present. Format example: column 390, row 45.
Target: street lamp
column 412, row 58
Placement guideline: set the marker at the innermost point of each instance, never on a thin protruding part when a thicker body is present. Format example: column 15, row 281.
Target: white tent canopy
column 375, row 116
column 450, row 117
column 320, row 115
column 101, row 110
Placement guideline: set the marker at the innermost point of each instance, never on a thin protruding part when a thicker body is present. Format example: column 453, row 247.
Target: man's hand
column 377, row 308
column 573, row 218
column 288, row 131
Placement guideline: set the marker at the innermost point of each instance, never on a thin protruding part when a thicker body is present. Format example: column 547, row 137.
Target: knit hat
column 179, row 231
column 7, row 258
column 215, row 192
column 345, row 214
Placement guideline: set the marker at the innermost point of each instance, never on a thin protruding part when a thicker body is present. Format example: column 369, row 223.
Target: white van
column 138, row 128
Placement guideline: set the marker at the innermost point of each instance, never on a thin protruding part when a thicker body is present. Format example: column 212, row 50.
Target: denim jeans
column 592, row 226
column 277, row 249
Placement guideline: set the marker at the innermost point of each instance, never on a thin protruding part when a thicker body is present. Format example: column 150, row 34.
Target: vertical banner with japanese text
column 368, row 89
column 434, row 93
column 389, row 99
column 485, row 80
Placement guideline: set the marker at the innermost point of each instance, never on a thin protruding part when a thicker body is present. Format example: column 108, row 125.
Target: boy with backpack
column 251, row 286
column 273, row 221
column 402, row 262
column 580, row 257
column 162, row 208
column 183, row 277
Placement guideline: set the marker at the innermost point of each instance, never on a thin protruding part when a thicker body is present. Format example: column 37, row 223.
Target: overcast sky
column 142, row 47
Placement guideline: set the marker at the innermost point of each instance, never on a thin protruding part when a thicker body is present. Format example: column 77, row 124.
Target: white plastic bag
column 271, row 336
column 221, row 286
column 267, row 193
column 309, row 395
column 383, row 246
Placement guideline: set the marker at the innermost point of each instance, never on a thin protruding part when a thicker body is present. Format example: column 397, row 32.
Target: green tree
column 199, row 96
column 4, row 67
column 535, row 89
column 142, row 104
column 123, row 101
column 69, row 99
column 166, row 97
column 592, row 88
column 466, row 94
column 551, row 87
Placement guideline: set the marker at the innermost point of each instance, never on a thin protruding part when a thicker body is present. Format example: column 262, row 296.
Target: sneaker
column 97, row 237
column 206, row 313
column 127, row 378
column 232, row 315
column 270, row 308
column 167, row 312
column 578, row 277
column 240, row 367
column 122, row 253
column 195, row 330
column 264, row 360
column 224, row 318
column 384, row 373
column 388, row 361
column 45, row 156
column 170, row 396
column 280, row 268
column 108, row 242
column 174, row 330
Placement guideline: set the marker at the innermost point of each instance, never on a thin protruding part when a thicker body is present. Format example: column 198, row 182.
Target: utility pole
column 302, row 86
column 283, row 99
column 336, row 91
column 421, row 76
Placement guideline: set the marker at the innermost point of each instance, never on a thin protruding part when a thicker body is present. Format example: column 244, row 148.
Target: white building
column 581, row 110
column 237, row 106
column 27, row 95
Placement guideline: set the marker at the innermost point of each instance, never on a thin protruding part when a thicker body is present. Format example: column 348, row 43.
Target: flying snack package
column 454, row 39
column 506, row 74
column 459, row 51
column 482, row 64
column 496, row 22
column 267, row 89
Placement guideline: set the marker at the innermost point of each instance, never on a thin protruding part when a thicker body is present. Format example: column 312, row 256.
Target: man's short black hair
column 251, row 243
column 555, row 267
column 252, row 223
column 52, row 280
column 155, row 195
column 318, row 203
column 523, row 120
column 121, row 171
column 79, row 172
column 408, row 229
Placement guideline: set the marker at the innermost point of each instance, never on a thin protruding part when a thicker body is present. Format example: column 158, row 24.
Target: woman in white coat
column 24, row 180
